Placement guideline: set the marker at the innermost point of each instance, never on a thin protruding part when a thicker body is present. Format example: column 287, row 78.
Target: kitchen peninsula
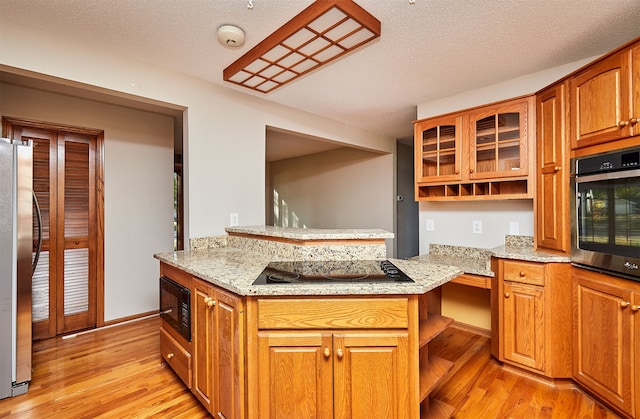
column 339, row 349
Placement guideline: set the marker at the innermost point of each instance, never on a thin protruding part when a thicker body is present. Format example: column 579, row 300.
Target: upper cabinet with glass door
column 437, row 145
column 498, row 141
column 480, row 153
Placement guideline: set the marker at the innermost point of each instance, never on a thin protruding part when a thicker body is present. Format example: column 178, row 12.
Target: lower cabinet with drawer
column 531, row 315
column 176, row 356
column 334, row 358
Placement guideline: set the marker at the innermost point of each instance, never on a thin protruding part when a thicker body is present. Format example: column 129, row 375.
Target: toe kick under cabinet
column 531, row 316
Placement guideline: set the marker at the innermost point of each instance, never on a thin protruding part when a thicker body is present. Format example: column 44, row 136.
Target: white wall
column 224, row 128
column 224, row 139
column 138, row 188
column 342, row 188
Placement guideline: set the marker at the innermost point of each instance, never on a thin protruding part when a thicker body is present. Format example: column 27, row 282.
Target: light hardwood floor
column 118, row 373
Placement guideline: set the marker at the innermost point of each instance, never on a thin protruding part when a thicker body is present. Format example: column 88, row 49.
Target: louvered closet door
column 64, row 281
column 44, row 176
column 76, row 292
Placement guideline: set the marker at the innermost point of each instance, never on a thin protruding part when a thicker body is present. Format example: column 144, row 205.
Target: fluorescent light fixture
column 322, row 32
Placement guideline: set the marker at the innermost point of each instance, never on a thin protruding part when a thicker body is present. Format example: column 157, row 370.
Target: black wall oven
column 175, row 306
column 605, row 219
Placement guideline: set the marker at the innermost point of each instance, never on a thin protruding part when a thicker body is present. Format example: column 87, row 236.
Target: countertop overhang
column 235, row 270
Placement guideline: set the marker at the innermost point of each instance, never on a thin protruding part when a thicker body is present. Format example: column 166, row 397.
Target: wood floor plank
column 118, row 373
column 110, row 373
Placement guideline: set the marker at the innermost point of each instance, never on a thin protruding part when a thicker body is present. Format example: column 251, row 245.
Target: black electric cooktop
column 331, row 271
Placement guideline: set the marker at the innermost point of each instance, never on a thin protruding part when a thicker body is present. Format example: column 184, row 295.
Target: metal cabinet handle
column 522, row 274
column 635, row 308
column 170, row 355
column 623, row 124
column 327, row 352
column 507, row 295
column 339, row 353
column 634, row 121
column 557, row 168
column 210, row 302
column 624, row 304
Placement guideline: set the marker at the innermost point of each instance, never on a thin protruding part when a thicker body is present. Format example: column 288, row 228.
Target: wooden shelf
column 498, row 189
column 431, row 373
column 471, row 280
column 432, row 327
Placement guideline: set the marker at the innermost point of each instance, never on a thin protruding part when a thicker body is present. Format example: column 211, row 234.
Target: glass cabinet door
column 498, row 142
column 439, row 157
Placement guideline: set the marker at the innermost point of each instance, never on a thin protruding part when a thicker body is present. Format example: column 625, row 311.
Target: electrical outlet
column 514, row 228
column 430, row 225
column 477, row 227
column 233, row 219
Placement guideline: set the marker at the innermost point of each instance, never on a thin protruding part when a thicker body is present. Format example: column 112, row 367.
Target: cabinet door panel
column 600, row 101
column 295, row 375
column 437, row 148
column 371, row 376
column 202, row 325
column 602, row 338
column 552, row 165
column 524, row 324
column 498, row 140
column 229, row 355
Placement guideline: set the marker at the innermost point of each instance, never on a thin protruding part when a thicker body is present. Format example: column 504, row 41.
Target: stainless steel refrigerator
column 16, row 264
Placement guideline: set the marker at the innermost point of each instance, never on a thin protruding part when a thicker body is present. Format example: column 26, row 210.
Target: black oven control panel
column 610, row 162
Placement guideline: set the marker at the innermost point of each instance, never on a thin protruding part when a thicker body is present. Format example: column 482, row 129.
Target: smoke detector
column 230, row 36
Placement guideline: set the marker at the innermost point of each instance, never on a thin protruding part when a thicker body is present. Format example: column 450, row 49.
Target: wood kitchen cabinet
column 481, row 153
column 439, row 155
column 218, row 342
column 498, row 146
column 605, row 99
column 333, row 374
column 605, row 339
column 342, row 365
column 531, row 311
column 174, row 348
column 552, row 167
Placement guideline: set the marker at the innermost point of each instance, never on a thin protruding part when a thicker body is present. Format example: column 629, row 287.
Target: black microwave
column 605, row 212
column 175, row 306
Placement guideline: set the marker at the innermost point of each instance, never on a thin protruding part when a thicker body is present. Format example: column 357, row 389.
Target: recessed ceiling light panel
column 322, row 32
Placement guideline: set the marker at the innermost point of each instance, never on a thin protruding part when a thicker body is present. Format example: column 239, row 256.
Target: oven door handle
column 607, row 176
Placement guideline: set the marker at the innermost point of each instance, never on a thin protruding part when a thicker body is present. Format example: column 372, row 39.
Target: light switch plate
column 233, row 219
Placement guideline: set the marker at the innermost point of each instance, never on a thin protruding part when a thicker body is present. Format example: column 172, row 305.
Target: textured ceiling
column 427, row 50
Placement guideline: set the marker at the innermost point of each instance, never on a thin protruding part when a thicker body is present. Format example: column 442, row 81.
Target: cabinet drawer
column 523, row 272
column 334, row 313
column 176, row 356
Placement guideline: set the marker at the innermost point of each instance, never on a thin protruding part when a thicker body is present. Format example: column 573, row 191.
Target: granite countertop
column 235, row 270
column 477, row 261
column 528, row 254
column 311, row 233
column 469, row 265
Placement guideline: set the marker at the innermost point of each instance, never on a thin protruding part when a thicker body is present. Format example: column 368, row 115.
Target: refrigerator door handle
column 39, row 245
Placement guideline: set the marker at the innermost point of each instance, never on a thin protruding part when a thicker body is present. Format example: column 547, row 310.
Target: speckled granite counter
column 311, row 233
column 477, row 261
column 235, row 270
